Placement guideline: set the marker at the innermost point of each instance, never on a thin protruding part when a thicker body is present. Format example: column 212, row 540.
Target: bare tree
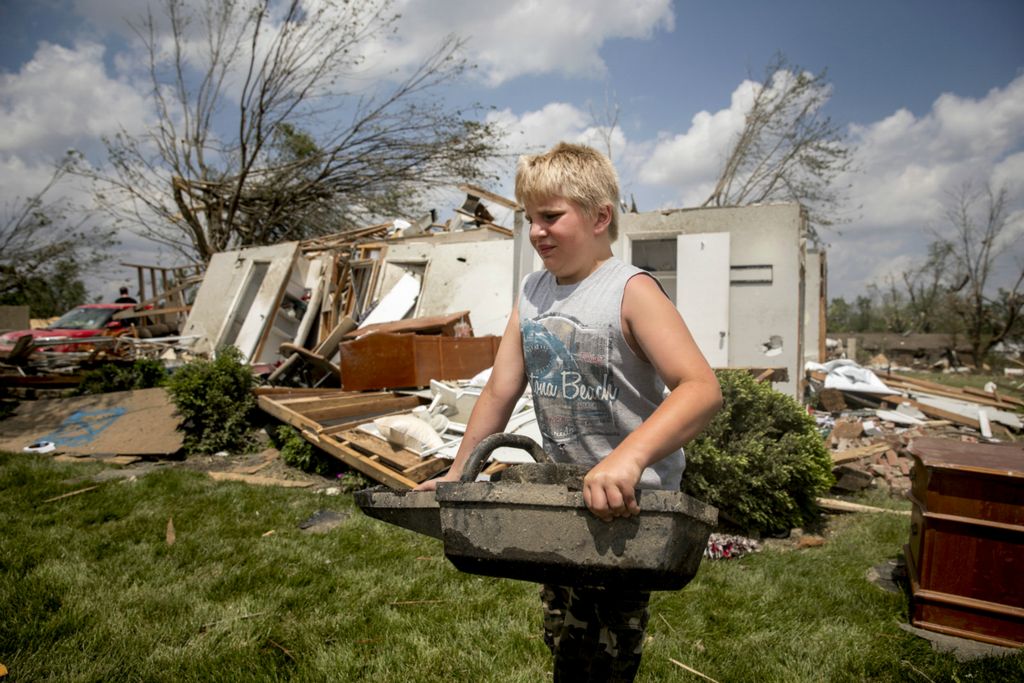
column 262, row 136
column 979, row 222
column 46, row 246
column 605, row 121
column 927, row 291
column 788, row 150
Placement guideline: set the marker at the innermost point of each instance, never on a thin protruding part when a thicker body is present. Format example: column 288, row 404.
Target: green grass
column 91, row 591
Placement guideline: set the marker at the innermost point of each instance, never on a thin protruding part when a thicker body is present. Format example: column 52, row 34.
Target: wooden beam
column 490, row 196
column 376, row 407
column 258, row 480
column 937, row 413
column 851, row 454
column 357, row 460
column 837, row 505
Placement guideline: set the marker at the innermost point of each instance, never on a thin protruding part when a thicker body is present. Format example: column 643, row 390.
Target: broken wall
column 765, row 284
column 474, row 275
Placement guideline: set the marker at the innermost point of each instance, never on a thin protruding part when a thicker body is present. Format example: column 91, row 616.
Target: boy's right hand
column 431, row 484
column 609, row 488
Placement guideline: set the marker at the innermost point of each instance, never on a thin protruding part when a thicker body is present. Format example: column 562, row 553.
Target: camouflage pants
column 594, row 634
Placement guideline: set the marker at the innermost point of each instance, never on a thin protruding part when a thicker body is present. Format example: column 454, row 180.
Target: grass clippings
column 91, row 591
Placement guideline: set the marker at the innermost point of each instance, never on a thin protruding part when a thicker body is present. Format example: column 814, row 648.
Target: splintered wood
column 329, row 419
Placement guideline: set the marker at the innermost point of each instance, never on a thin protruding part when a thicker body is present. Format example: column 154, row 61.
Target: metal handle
column 483, row 450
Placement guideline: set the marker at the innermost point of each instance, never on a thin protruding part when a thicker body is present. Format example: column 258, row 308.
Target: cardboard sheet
column 142, row 422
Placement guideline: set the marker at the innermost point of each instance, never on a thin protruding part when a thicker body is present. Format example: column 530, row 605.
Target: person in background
column 124, row 297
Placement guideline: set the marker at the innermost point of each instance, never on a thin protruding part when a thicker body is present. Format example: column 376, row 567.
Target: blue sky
column 930, row 92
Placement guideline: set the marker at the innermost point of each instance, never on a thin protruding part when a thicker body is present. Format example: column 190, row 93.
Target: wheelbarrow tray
column 417, row 511
column 545, row 533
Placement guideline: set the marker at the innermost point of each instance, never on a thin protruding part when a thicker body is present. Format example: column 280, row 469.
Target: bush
column 761, row 461
column 297, row 452
column 216, row 402
column 140, row 374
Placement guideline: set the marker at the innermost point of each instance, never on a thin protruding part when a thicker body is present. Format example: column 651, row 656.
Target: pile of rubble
column 869, row 420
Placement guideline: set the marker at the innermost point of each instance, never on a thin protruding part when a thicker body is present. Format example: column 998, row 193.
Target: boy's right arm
column 497, row 400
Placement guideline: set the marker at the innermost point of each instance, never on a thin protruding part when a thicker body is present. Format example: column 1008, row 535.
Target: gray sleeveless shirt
column 590, row 390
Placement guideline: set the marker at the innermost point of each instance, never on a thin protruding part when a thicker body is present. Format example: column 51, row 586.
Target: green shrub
column 216, row 402
column 297, row 452
column 142, row 373
column 761, row 461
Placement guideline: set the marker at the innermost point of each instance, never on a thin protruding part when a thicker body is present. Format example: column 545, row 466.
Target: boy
column 599, row 341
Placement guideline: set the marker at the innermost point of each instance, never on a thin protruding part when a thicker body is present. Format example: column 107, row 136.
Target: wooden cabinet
column 384, row 361
column 966, row 551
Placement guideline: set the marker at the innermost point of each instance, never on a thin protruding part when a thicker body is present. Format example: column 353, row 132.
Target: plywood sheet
column 234, row 282
column 142, row 422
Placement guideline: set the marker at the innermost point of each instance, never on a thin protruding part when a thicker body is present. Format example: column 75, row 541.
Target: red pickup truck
column 87, row 320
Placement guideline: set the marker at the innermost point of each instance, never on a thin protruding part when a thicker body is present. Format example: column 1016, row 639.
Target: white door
column 702, row 292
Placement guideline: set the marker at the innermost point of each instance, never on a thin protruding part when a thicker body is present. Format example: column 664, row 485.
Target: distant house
column 911, row 350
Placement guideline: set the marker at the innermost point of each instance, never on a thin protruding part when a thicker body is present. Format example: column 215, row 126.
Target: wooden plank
column 361, row 408
column 258, row 480
column 282, row 413
column 490, row 196
column 851, row 454
column 326, row 349
column 937, row 413
column 315, row 396
column 352, row 424
column 775, row 374
column 1010, row 400
column 845, row 506
column 331, row 398
column 294, row 392
column 948, row 392
column 426, row 469
column 438, row 324
column 411, row 465
column 393, row 455
column 358, row 461
column 319, row 362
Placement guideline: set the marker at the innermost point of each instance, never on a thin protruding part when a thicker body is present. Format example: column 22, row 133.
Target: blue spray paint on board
column 82, row 426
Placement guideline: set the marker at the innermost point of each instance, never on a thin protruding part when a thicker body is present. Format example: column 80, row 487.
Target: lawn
column 91, row 590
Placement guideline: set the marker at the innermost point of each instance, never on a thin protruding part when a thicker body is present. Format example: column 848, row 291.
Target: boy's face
column 569, row 242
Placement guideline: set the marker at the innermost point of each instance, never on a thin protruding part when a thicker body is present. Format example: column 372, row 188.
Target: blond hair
column 578, row 173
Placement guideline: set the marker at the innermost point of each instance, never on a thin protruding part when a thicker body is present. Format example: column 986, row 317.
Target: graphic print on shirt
column 569, row 368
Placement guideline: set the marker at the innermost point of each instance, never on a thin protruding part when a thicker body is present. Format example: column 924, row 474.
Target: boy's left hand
column 609, row 489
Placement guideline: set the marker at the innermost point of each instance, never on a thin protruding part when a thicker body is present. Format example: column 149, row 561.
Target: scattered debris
column 69, row 494
column 870, row 442
column 322, row 521
column 691, row 670
column 728, row 547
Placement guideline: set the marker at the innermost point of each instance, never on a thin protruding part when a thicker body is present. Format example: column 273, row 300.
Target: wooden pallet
column 328, row 419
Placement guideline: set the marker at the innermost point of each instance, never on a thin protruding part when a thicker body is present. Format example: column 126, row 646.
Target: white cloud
column 63, row 98
column 510, row 39
column 534, row 132
column 690, row 161
column 1009, row 173
column 908, row 165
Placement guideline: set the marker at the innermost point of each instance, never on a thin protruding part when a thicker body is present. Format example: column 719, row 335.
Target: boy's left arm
column 657, row 332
